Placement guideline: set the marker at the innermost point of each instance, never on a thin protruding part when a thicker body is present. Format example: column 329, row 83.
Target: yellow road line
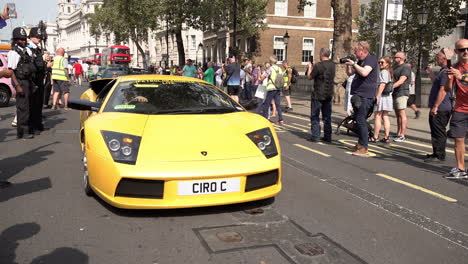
column 313, row 150
column 371, row 154
column 301, row 125
column 441, row 196
column 428, row 146
column 300, row 129
column 297, row 117
column 345, row 142
column 408, row 148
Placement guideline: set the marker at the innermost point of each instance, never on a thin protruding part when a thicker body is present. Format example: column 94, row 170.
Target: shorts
column 400, row 102
column 234, row 90
column 412, row 99
column 286, row 92
column 61, row 86
column 458, row 125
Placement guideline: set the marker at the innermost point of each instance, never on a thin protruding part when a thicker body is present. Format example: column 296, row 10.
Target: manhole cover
column 229, row 236
column 255, row 211
column 310, row 249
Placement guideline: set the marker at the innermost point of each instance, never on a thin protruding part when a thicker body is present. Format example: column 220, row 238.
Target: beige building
column 308, row 31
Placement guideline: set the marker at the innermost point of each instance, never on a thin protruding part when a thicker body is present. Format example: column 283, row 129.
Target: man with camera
column 363, row 90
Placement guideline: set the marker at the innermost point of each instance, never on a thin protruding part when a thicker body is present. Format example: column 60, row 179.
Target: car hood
column 198, row 137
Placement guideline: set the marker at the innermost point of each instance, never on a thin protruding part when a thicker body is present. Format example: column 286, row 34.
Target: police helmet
column 19, row 33
column 36, row 33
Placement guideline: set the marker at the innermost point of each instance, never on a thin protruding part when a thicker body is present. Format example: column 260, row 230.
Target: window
column 310, row 9
column 194, row 42
column 68, row 8
column 281, row 7
column 307, row 49
column 278, row 48
column 247, row 45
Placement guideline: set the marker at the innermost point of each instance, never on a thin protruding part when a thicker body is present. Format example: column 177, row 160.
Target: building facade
column 308, row 30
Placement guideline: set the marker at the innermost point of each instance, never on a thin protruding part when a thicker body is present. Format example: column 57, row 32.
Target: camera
column 345, row 59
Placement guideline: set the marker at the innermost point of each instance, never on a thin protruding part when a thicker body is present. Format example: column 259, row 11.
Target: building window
column 307, row 49
column 247, row 45
column 238, row 44
column 281, row 7
column 68, row 8
column 310, row 9
column 194, row 42
column 278, row 48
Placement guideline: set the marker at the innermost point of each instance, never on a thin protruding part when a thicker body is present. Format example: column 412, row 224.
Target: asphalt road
column 334, row 208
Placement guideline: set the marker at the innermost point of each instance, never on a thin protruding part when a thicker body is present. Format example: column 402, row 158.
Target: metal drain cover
column 229, row 236
column 310, row 249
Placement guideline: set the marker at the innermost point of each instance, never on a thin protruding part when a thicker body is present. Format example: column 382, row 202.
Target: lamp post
column 422, row 19
column 286, row 41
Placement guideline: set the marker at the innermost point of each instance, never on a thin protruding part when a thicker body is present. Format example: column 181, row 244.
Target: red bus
column 116, row 54
column 96, row 57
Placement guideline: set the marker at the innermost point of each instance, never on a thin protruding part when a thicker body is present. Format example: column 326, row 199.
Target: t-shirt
column 209, row 76
column 85, row 67
column 233, row 73
column 412, row 86
column 461, row 92
column 398, row 71
column 440, row 80
column 323, row 74
column 95, row 69
column 219, row 75
column 78, row 68
column 189, row 71
column 366, row 86
column 248, row 70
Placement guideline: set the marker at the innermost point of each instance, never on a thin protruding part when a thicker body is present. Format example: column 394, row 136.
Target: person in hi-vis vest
column 60, row 81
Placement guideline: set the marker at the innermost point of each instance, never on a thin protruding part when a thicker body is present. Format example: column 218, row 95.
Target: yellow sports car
column 152, row 141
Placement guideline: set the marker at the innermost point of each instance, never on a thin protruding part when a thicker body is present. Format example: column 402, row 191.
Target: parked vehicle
column 7, row 91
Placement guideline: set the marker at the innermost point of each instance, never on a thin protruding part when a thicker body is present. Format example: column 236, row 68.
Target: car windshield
column 169, row 97
column 112, row 73
column 120, row 51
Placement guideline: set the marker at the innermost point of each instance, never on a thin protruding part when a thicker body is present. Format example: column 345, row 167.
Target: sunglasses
column 462, row 49
column 381, row 62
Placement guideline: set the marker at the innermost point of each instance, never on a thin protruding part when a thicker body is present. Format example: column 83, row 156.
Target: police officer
column 36, row 36
column 20, row 61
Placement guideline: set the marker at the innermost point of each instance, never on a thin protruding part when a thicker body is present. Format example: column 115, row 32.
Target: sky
column 30, row 12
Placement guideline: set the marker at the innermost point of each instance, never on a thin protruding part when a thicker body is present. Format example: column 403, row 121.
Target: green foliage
column 405, row 35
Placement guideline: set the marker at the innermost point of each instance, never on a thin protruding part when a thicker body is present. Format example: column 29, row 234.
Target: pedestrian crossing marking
column 428, row 146
column 313, row 150
column 304, row 126
column 345, row 142
column 408, row 148
column 298, row 117
column 414, row 186
column 300, row 129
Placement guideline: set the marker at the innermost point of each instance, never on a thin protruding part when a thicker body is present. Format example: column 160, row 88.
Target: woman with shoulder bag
column 384, row 102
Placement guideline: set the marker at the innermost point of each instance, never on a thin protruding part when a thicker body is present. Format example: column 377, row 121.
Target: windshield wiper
column 196, row 111
column 218, row 110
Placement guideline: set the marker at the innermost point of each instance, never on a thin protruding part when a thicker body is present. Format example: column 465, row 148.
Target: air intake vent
column 261, row 180
column 140, row 188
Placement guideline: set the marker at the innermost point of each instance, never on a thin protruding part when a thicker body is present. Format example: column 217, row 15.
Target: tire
column 5, row 96
column 87, row 188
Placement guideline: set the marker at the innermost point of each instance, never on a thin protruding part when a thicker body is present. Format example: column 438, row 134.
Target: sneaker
column 362, row 152
column 288, row 109
column 13, row 124
column 54, row 107
column 281, row 122
column 433, row 159
column 66, row 108
column 417, row 114
column 399, row 139
column 456, row 173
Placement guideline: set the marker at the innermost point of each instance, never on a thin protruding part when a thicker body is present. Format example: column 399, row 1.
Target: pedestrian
column 219, row 77
column 384, row 102
column 458, row 80
column 60, row 81
column 37, row 95
column 323, row 74
column 208, row 75
column 20, row 61
column 70, row 71
column 189, row 69
column 362, row 91
column 95, row 69
column 286, row 91
column 47, row 81
column 85, row 66
column 441, row 110
column 402, row 77
column 261, row 89
column 273, row 91
column 78, row 71
column 247, row 91
column 233, row 78
column 412, row 94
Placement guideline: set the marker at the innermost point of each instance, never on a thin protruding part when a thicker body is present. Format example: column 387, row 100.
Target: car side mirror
column 84, row 105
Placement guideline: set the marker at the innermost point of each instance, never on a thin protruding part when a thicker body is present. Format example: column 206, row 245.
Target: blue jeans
column 325, row 107
column 361, row 120
column 247, row 92
column 273, row 95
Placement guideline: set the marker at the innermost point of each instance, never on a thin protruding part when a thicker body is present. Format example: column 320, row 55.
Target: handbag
column 388, row 88
column 261, row 92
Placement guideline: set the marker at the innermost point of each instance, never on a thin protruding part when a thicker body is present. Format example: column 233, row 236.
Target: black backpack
column 295, row 75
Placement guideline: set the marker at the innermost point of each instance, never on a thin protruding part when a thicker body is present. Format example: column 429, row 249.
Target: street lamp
column 422, row 19
column 286, row 41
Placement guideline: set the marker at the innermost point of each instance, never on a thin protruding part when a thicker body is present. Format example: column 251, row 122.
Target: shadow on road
column 4, row 133
column 12, row 166
column 9, row 242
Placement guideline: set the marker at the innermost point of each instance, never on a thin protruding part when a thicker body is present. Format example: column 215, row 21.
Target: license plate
column 209, row 186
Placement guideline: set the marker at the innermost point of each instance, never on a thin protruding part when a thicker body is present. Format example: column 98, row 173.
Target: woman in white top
column 384, row 103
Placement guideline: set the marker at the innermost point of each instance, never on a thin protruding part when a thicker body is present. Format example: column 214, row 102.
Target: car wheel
column 4, row 96
column 87, row 187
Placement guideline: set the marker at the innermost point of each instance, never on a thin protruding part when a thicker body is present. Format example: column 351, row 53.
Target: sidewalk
column 418, row 129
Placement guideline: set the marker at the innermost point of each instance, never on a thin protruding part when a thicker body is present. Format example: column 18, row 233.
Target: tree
column 125, row 19
column 405, row 35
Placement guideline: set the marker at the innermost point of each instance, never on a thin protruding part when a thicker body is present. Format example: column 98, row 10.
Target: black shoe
column 430, row 155
column 37, row 132
column 28, row 136
column 417, row 114
column 326, row 140
column 313, row 140
column 433, row 160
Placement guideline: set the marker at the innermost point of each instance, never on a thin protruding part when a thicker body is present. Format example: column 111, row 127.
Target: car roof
column 155, row 77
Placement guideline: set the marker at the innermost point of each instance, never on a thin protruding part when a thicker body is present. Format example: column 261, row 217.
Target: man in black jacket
column 323, row 74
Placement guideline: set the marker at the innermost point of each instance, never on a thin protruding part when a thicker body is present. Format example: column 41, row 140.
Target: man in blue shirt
column 189, row 69
column 362, row 91
column 441, row 110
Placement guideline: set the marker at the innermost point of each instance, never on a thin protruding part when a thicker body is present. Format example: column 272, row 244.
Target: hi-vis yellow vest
column 274, row 70
column 58, row 71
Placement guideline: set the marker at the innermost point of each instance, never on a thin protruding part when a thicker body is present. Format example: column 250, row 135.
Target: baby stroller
column 350, row 123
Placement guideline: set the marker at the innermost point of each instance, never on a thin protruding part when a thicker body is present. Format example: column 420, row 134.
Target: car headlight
column 122, row 147
column 264, row 140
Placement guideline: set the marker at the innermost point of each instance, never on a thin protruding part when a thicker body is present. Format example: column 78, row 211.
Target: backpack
column 279, row 78
column 295, row 75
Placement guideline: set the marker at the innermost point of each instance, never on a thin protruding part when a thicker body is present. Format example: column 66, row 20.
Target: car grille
column 140, row 188
column 261, row 180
